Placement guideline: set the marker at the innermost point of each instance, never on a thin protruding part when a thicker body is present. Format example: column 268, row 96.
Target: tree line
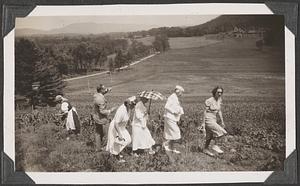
column 272, row 24
column 47, row 60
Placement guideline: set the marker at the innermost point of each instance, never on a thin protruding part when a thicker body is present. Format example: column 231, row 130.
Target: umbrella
column 152, row 95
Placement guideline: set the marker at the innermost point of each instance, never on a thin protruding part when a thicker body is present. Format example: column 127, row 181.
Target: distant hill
column 224, row 23
column 29, row 31
column 86, row 28
column 271, row 25
column 227, row 23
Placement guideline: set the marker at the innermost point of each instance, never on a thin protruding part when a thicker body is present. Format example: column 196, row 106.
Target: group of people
column 113, row 136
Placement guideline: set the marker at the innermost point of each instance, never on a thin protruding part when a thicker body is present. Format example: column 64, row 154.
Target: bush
column 255, row 129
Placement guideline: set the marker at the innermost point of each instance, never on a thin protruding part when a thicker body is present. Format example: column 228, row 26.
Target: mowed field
column 253, row 110
column 235, row 64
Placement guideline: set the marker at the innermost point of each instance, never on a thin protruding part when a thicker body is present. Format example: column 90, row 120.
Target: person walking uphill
column 100, row 116
column 173, row 112
column 210, row 126
column 141, row 136
column 118, row 136
column 69, row 113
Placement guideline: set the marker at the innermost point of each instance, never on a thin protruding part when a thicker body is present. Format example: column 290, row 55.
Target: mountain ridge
column 85, row 28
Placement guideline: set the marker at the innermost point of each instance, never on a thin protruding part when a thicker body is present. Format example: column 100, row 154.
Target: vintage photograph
column 150, row 93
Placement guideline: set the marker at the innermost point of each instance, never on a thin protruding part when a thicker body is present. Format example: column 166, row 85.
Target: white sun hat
column 180, row 88
column 131, row 99
column 58, row 98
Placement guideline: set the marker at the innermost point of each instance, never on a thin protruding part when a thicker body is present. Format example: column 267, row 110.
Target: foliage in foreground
column 36, row 65
column 256, row 141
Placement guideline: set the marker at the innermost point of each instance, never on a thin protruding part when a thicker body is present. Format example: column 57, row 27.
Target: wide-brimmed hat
column 180, row 88
column 58, row 98
column 131, row 100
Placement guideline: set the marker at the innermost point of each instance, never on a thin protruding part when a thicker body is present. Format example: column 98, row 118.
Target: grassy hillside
column 236, row 64
column 247, row 22
column 253, row 110
column 272, row 25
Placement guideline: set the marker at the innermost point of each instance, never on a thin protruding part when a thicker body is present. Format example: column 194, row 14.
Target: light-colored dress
column 72, row 120
column 173, row 112
column 120, row 121
column 141, row 136
column 211, row 126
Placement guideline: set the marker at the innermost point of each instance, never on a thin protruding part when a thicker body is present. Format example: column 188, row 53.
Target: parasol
column 152, row 95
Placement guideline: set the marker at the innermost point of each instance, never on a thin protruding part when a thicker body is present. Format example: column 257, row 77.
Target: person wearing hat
column 210, row 127
column 69, row 113
column 100, row 116
column 141, row 136
column 172, row 114
column 118, row 137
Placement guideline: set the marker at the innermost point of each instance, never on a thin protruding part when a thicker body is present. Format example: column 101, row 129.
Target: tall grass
column 256, row 140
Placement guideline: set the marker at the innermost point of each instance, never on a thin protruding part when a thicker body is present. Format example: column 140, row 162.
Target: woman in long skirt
column 141, row 136
column 118, row 137
column 173, row 112
column 69, row 113
column 213, row 130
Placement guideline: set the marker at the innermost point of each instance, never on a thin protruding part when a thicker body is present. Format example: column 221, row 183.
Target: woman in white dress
column 173, row 112
column 141, row 136
column 69, row 113
column 210, row 126
column 118, row 137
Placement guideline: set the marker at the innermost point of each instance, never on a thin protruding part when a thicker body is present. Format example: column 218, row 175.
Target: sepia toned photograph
column 150, row 93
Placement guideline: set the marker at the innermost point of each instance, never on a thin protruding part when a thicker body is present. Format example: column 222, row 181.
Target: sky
column 54, row 22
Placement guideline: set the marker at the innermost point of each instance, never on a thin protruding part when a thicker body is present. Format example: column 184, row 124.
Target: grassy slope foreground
column 254, row 112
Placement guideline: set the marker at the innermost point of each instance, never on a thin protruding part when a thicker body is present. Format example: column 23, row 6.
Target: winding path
column 105, row 72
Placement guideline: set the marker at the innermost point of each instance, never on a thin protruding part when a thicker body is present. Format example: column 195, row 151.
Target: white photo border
column 148, row 177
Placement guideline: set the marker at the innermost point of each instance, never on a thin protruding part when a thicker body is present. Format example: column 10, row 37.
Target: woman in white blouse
column 141, row 136
column 210, row 126
column 118, row 137
column 69, row 113
column 173, row 112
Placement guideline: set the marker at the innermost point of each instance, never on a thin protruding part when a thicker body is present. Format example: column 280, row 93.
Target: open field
column 182, row 42
column 235, row 64
column 253, row 110
column 146, row 40
column 190, row 42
